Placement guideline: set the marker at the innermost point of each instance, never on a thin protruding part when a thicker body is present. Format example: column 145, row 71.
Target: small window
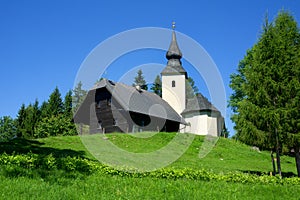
column 173, row 83
column 115, row 122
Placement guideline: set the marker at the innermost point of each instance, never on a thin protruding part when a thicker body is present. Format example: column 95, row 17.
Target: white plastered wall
column 175, row 96
column 203, row 124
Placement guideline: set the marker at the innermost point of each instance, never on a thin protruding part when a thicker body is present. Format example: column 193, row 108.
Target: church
column 116, row 107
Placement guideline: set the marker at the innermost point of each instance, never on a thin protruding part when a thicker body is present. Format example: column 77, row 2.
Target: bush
column 21, row 165
column 55, row 126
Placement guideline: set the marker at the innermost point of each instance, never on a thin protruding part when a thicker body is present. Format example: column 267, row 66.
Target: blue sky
column 43, row 43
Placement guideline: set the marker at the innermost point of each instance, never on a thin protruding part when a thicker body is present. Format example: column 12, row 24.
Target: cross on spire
column 173, row 25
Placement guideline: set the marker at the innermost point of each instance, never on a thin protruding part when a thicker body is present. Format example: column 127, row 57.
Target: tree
column 20, row 121
column 79, row 95
column 68, row 105
column 44, row 109
column 224, row 132
column 55, row 103
column 53, row 117
column 266, row 89
column 8, row 128
column 27, row 119
column 139, row 80
column 191, row 88
column 70, row 127
column 156, row 87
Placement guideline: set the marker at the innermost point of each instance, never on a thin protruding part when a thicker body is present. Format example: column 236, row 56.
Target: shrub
column 55, row 126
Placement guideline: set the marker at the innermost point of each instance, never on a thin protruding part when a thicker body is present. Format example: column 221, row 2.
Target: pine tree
column 156, row 87
column 68, row 105
column 20, row 121
column 267, row 89
column 44, row 109
column 55, row 103
column 69, row 125
column 191, row 88
column 139, row 80
column 79, row 95
column 30, row 121
column 8, row 128
column 27, row 119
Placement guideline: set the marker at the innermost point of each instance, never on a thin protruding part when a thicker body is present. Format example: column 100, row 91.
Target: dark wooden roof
column 199, row 103
column 139, row 100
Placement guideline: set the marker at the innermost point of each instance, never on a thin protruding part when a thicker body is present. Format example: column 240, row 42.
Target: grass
column 115, row 187
column 226, row 156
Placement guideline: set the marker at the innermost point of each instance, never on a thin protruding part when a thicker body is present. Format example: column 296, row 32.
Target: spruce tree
column 29, row 121
column 139, row 80
column 55, row 103
column 44, row 109
column 21, row 120
column 266, row 89
column 156, row 87
column 68, row 105
column 7, row 128
column 191, row 88
column 79, row 95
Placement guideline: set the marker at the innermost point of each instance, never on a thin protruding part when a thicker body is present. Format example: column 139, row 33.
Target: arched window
column 173, row 83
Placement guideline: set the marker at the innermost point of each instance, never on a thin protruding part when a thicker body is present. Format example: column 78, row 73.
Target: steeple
column 174, row 65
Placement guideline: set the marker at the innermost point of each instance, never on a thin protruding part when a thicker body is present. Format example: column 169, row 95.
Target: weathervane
column 173, row 25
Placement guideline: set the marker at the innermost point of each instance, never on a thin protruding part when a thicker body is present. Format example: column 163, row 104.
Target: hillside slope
column 227, row 155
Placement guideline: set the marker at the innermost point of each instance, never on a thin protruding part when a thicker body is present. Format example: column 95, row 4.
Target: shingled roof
column 199, row 103
column 139, row 100
column 174, row 55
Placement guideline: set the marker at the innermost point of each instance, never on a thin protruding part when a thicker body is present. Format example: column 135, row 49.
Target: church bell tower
column 174, row 77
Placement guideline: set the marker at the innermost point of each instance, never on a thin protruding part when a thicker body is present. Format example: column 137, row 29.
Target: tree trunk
column 297, row 158
column 278, row 161
column 277, row 153
column 273, row 163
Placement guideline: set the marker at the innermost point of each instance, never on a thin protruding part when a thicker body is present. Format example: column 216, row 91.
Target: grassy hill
column 227, row 156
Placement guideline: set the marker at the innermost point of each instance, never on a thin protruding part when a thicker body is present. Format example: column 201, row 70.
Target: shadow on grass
column 64, row 170
column 23, row 146
column 259, row 173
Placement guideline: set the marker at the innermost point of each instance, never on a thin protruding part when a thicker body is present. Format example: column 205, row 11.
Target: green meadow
column 63, row 168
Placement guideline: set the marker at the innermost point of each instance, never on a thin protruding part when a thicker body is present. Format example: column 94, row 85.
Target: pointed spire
column 174, row 55
column 173, row 51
